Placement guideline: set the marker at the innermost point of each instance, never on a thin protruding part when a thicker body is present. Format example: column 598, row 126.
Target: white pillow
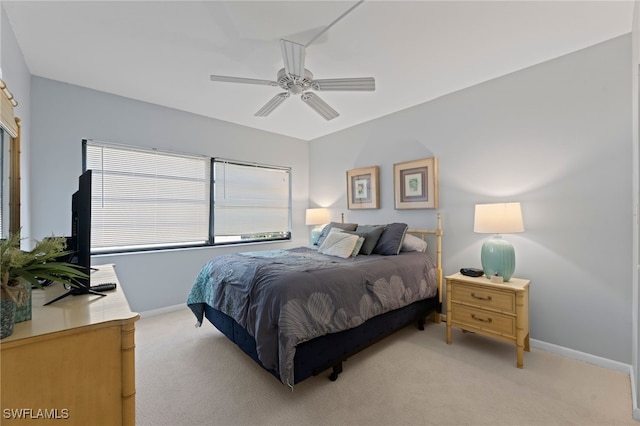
column 338, row 244
column 413, row 243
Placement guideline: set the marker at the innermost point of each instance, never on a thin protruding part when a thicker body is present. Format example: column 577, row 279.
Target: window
column 145, row 199
column 252, row 202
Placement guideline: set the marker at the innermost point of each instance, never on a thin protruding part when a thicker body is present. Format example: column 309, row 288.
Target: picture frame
column 416, row 184
column 363, row 189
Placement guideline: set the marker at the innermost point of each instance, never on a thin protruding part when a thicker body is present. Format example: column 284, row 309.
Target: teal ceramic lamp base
column 315, row 234
column 498, row 258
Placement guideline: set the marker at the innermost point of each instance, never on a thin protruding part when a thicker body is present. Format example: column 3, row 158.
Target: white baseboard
column 160, row 311
column 577, row 355
column 634, row 396
column 595, row 360
column 582, row 356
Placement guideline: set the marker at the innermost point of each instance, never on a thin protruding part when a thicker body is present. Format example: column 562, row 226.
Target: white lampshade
column 317, row 216
column 497, row 255
column 499, row 218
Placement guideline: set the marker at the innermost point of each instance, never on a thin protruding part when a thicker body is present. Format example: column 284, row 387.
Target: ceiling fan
column 295, row 79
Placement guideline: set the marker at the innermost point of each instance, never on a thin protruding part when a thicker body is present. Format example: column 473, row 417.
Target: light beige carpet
column 189, row 376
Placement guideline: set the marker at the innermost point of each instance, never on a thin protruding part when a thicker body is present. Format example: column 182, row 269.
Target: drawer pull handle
column 487, row 320
column 475, row 296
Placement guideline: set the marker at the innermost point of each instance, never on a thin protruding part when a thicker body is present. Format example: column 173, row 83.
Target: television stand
column 75, row 292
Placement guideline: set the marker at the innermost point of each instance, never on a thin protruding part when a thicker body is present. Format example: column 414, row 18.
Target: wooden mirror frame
column 11, row 125
column 14, row 182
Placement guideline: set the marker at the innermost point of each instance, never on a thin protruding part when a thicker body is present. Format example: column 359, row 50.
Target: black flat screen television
column 79, row 244
column 81, row 228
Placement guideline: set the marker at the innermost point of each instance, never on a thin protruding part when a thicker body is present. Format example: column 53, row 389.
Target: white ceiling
column 164, row 51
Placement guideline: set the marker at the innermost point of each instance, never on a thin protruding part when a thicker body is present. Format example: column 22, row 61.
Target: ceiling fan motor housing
column 294, row 85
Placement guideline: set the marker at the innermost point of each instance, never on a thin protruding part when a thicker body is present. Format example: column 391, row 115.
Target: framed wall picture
column 363, row 191
column 416, row 184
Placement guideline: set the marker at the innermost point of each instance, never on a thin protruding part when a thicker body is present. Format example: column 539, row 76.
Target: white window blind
column 251, row 202
column 146, row 198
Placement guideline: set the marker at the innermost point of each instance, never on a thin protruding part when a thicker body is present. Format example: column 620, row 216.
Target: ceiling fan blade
column 272, row 104
column 293, row 56
column 319, row 106
column 360, row 84
column 227, row 79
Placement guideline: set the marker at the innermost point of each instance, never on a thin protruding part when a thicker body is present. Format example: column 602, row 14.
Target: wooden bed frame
column 331, row 350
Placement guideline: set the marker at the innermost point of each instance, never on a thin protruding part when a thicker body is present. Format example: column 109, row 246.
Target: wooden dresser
column 499, row 310
column 74, row 362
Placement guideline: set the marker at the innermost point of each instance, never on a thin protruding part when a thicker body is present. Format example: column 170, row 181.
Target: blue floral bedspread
column 286, row 297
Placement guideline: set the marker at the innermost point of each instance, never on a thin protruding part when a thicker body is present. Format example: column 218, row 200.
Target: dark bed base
column 329, row 351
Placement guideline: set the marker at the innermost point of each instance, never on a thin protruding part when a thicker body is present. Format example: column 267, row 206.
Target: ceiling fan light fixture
column 319, row 106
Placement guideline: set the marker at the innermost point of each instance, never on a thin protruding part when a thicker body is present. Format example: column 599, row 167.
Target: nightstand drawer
column 504, row 325
column 484, row 297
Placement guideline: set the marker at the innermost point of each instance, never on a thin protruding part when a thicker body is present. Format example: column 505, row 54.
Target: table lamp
column 316, row 217
column 498, row 256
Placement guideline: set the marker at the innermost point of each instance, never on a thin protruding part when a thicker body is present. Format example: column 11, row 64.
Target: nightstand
column 498, row 310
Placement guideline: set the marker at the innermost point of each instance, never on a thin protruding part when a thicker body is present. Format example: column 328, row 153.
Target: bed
column 301, row 311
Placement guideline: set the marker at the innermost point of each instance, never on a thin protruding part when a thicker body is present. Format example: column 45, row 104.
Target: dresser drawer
column 503, row 301
column 493, row 322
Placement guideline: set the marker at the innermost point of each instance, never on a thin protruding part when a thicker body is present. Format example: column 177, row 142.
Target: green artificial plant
column 32, row 266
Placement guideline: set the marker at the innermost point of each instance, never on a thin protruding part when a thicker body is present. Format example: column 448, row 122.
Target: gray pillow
column 371, row 236
column 390, row 241
column 343, row 226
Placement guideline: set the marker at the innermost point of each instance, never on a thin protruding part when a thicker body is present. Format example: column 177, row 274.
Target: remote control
column 104, row 287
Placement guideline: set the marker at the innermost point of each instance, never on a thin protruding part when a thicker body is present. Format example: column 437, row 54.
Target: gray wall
column 63, row 114
column 557, row 138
